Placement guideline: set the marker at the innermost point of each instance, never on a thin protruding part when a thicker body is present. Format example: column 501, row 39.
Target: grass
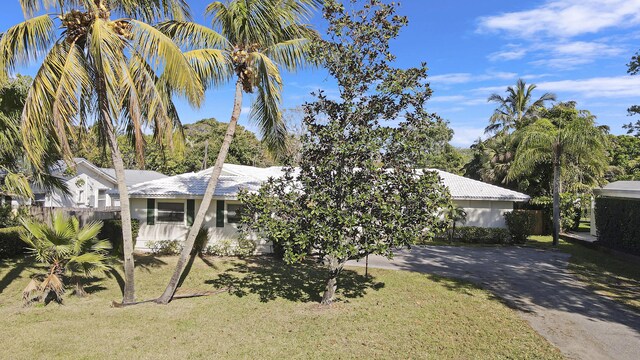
column 271, row 312
column 605, row 272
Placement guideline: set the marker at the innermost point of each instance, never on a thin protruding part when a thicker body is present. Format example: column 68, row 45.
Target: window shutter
column 191, row 209
column 151, row 211
column 220, row 213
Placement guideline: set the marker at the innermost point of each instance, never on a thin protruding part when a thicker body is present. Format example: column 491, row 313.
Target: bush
column 571, row 206
column 112, row 231
column 617, row 223
column 481, row 235
column 8, row 218
column 165, row 247
column 10, row 243
column 232, row 247
column 520, row 225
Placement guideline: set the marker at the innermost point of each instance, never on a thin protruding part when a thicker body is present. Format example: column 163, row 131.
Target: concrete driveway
column 582, row 324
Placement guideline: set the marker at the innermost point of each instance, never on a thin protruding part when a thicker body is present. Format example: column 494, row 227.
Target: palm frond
column 212, row 66
column 25, row 42
column 266, row 107
column 189, row 35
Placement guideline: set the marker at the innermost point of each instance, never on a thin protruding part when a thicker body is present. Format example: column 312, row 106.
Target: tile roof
column 236, row 177
column 462, row 188
column 133, row 177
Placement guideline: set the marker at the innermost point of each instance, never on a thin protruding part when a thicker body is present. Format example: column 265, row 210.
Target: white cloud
column 451, row 98
column 464, row 136
column 245, row 110
column 463, row 78
column 599, row 87
column 565, row 18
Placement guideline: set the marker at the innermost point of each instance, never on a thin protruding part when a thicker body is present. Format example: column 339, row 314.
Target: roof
column 462, row 188
column 620, row 189
column 133, row 177
column 236, row 177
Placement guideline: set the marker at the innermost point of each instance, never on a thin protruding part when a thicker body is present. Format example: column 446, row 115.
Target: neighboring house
column 166, row 207
column 623, row 190
column 89, row 186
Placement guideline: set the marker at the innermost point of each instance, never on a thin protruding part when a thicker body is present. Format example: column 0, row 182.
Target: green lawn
column 607, row 273
column 271, row 312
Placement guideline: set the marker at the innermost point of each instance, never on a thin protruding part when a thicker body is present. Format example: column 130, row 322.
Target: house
column 166, row 207
column 625, row 192
column 89, row 186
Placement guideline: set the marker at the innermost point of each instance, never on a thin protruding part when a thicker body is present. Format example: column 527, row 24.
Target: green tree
column 562, row 136
column 104, row 64
column 633, row 68
column 517, row 109
column 357, row 191
column 17, row 174
column 250, row 41
column 71, row 252
column 624, row 158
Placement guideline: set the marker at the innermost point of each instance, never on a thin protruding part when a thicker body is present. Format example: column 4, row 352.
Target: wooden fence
column 84, row 215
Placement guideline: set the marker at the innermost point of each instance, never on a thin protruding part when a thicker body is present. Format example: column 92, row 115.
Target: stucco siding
column 485, row 213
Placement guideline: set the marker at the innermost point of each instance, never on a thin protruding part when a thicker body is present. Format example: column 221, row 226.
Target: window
column 102, row 198
column 233, row 213
column 170, row 212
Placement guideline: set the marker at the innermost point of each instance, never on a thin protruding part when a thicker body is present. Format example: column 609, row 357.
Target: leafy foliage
column 633, row 68
column 520, row 224
column 617, row 223
column 624, row 159
column 10, row 243
column 70, row 251
column 481, row 235
column 165, row 247
column 356, row 191
column 112, row 230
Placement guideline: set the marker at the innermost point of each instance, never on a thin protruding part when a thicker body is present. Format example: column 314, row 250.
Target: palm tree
column 70, row 252
column 564, row 136
column 517, row 109
column 107, row 65
column 250, row 41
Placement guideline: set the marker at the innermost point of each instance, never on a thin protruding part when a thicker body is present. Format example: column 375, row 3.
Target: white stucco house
column 89, row 186
column 166, row 207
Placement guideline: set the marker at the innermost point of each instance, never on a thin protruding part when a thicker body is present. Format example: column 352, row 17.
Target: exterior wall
column 179, row 231
column 485, row 213
column 84, row 195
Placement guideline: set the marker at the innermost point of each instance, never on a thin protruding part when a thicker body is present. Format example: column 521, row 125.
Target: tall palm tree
column 107, row 66
column 516, row 109
column 563, row 136
column 250, row 40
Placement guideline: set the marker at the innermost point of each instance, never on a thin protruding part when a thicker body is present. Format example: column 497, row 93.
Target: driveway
column 582, row 324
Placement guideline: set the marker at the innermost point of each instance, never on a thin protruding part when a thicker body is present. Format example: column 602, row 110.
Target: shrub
column 7, row 217
column 481, row 235
column 617, row 223
column 10, row 243
column 571, row 206
column 165, row 247
column 520, row 225
column 232, row 247
column 112, row 231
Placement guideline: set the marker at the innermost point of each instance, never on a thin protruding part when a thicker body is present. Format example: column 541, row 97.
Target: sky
column 577, row 49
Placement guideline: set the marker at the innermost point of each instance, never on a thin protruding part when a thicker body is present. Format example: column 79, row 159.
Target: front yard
column 271, row 311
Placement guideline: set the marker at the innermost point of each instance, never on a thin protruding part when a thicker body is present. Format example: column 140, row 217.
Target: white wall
column 89, row 182
column 485, row 213
column 175, row 231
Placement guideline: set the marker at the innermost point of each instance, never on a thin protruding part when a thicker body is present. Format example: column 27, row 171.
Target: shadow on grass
column 143, row 261
column 270, row 279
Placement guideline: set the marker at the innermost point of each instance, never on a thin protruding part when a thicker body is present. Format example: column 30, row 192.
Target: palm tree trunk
column 125, row 211
column 335, row 268
column 556, row 198
column 206, row 200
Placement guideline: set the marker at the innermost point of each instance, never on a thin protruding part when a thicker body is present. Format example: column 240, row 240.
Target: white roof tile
column 236, row 177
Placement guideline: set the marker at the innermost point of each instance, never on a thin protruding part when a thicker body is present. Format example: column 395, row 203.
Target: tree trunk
column 335, row 268
column 125, row 210
column 556, row 199
column 206, row 200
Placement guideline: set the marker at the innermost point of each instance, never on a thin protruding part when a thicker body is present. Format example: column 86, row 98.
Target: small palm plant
column 71, row 252
column 456, row 214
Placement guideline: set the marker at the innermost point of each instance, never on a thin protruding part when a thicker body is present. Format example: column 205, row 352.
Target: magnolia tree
column 356, row 191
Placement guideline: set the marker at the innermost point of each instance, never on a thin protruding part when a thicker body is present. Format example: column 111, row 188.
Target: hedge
column 618, row 223
column 476, row 235
column 112, row 231
column 10, row 243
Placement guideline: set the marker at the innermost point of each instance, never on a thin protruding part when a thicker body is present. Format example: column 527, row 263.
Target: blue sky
column 575, row 48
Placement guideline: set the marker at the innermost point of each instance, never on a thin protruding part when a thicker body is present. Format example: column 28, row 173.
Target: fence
column 83, row 215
